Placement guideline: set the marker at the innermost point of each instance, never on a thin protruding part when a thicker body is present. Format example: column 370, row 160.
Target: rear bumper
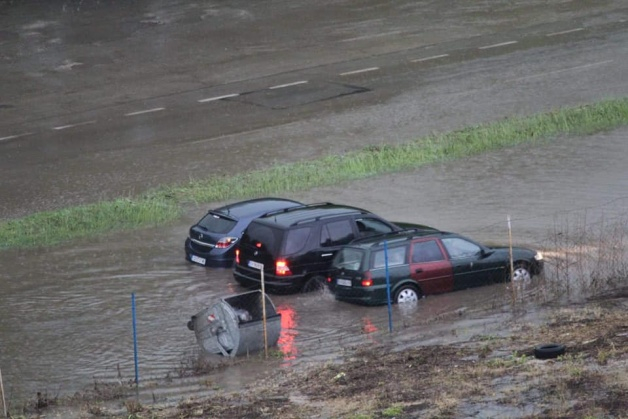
column 250, row 278
column 222, row 258
column 360, row 295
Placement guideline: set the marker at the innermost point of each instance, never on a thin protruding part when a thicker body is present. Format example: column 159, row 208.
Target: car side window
column 336, row 233
column 296, row 240
column 369, row 226
column 396, row 256
column 460, row 248
column 426, row 251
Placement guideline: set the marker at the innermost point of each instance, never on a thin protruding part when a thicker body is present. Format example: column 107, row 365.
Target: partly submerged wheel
column 315, row 283
column 521, row 274
column 549, row 351
column 407, row 294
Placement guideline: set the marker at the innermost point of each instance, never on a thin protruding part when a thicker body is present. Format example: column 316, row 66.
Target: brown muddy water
column 65, row 312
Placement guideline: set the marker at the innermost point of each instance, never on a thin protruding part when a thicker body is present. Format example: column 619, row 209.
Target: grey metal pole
column 4, row 403
column 264, row 313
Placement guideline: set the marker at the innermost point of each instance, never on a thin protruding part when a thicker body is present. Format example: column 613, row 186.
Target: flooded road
column 65, row 313
column 100, row 101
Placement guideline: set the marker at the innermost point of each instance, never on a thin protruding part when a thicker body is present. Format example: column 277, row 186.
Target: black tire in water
column 407, row 294
column 315, row 283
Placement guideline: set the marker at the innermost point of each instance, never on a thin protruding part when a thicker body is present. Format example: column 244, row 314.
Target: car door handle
column 418, row 271
column 326, row 255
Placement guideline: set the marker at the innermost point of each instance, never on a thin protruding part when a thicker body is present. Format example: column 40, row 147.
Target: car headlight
column 538, row 256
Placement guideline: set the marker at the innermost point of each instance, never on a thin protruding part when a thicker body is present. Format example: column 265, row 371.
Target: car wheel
column 407, row 294
column 315, row 283
column 521, row 273
column 549, row 351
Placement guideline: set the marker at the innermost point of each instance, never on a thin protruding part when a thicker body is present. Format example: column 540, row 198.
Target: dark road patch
column 299, row 94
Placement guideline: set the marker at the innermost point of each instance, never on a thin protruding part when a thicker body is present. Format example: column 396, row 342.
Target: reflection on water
column 368, row 327
column 289, row 332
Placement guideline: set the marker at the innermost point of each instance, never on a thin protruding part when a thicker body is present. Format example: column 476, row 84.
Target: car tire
column 407, row 294
column 521, row 273
column 315, row 283
column 549, row 351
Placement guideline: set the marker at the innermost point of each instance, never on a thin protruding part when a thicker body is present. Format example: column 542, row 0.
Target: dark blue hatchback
column 211, row 241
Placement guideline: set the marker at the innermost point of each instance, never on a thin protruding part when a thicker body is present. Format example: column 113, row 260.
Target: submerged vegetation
column 164, row 204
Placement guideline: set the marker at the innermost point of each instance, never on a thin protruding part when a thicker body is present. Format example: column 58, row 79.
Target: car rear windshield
column 296, row 239
column 217, row 223
column 269, row 238
column 349, row 259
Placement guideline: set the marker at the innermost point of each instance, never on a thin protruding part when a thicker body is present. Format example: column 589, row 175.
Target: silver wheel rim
column 521, row 274
column 407, row 296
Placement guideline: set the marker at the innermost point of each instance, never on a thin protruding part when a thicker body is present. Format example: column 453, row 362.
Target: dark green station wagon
column 422, row 262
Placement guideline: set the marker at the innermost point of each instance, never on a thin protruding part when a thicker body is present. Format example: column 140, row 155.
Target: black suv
column 295, row 246
column 415, row 263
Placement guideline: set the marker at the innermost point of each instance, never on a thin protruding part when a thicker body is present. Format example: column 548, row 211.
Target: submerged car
column 294, row 247
column 211, row 241
column 421, row 262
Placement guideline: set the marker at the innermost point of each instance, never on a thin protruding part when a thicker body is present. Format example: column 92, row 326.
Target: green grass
column 164, row 204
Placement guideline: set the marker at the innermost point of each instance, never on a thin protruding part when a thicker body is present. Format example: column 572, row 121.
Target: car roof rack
column 406, row 234
column 298, row 207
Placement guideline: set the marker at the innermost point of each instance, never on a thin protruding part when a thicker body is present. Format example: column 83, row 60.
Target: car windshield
column 217, row 223
column 349, row 259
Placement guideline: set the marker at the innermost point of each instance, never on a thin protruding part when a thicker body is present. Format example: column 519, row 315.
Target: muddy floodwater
column 65, row 312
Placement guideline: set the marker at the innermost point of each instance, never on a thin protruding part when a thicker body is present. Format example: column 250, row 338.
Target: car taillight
column 329, row 279
column 226, row 242
column 282, row 268
column 368, row 280
column 237, row 256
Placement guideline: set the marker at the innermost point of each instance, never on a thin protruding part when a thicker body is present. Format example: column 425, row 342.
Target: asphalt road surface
column 102, row 99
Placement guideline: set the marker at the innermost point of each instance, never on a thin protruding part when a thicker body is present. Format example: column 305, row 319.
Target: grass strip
column 164, row 204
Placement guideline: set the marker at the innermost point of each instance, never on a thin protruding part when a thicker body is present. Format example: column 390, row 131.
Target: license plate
column 256, row 265
column 197, row 259
column 344, row 282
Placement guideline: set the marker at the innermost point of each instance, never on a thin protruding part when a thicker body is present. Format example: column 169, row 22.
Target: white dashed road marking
column 580, row 67
column 61, row 127
column 145, row 111
column 502, row 44
column 434, row 57
column 377, row 35
column 565, row 32
column 281, row 86
column 10, row 137
column 363, row 70
column 212, row 99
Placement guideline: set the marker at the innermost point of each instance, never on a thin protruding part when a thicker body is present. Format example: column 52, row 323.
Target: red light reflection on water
column 368, row 327
column 288, row 332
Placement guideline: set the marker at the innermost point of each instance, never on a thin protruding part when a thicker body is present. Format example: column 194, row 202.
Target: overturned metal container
column 234, row 325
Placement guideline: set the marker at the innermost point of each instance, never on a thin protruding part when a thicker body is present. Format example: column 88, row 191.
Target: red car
column 420, row 263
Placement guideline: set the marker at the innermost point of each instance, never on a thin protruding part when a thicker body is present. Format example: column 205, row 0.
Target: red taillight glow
column 282, row 268
column 237, row 256
column 226, row 242
column 258, row 245
column 367, row 281
column 329, row 279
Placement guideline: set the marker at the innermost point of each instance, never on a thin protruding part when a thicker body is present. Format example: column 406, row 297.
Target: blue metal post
column 137, row 374
column 390, row 327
